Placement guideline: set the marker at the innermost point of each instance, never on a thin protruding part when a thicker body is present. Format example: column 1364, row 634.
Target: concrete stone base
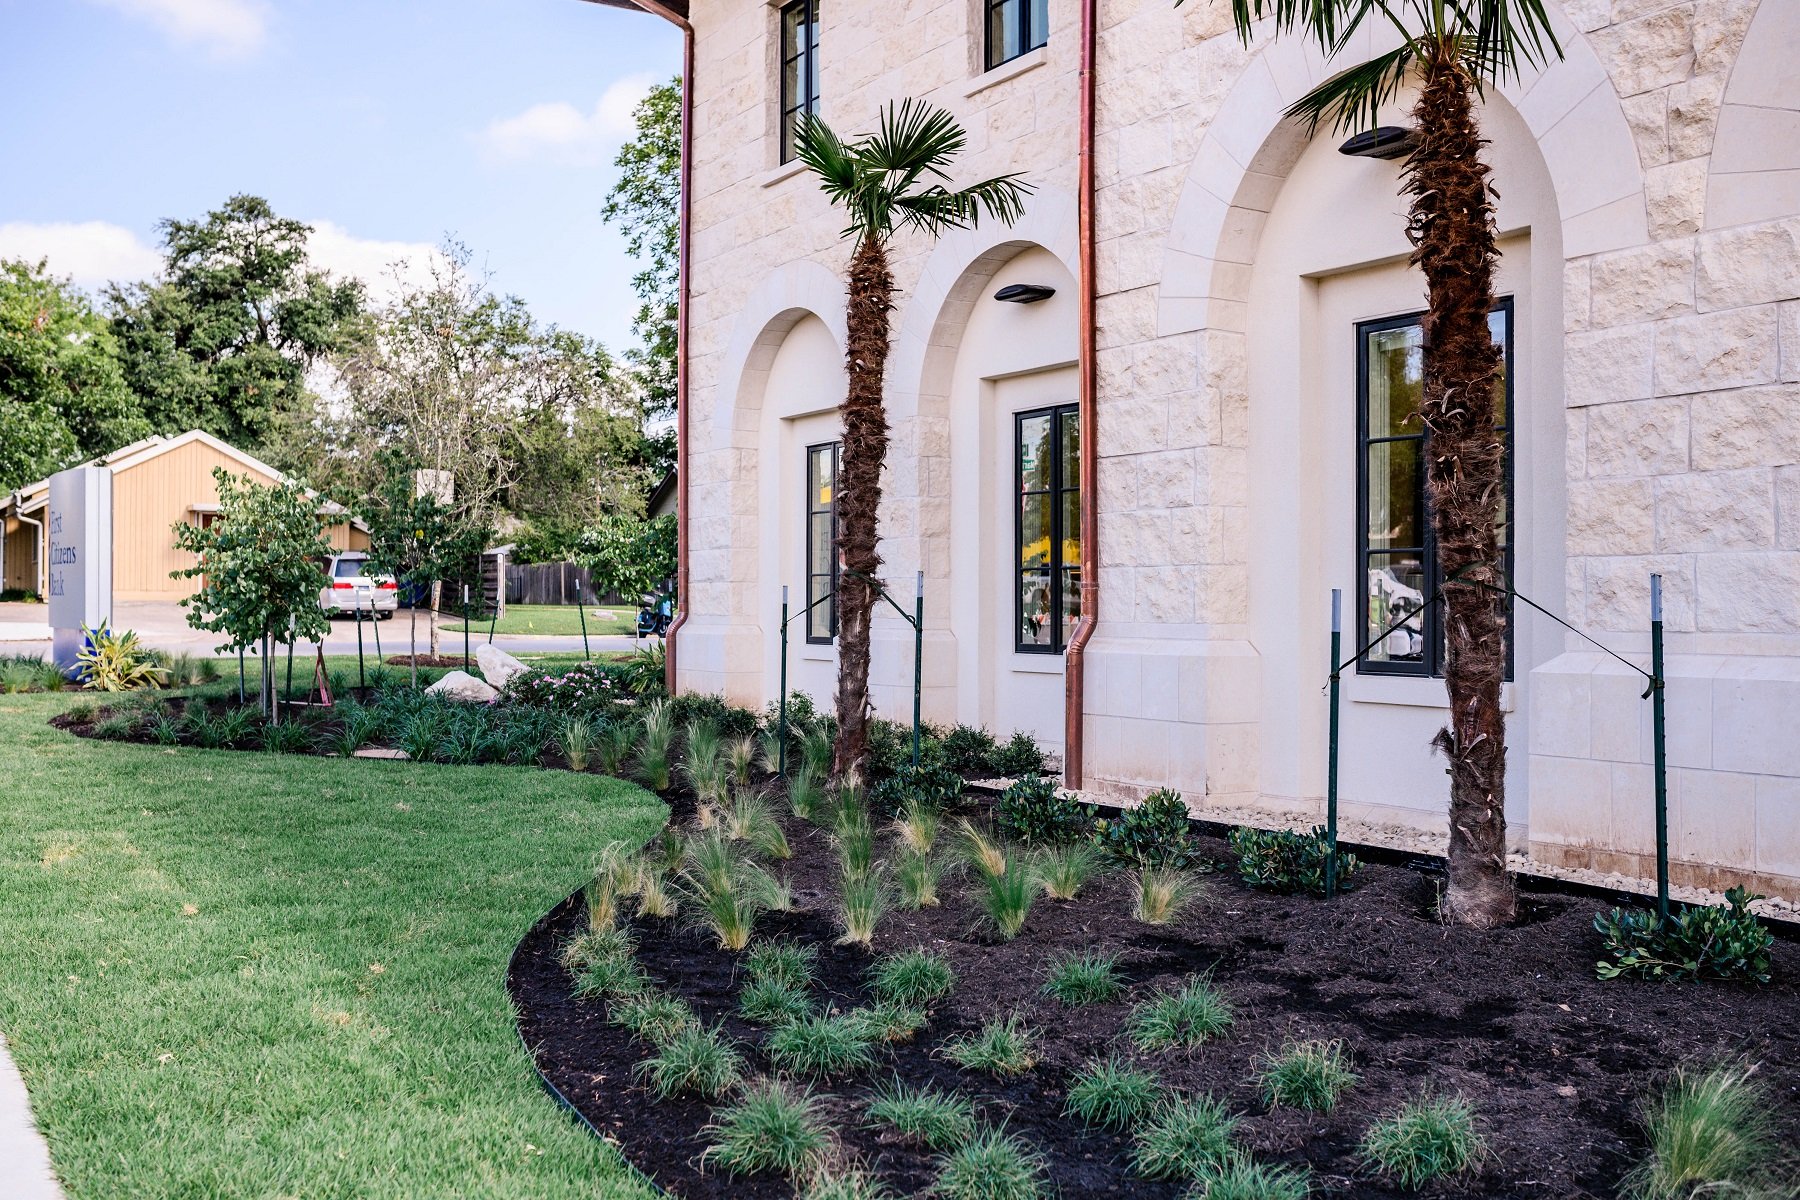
column 1710, row 876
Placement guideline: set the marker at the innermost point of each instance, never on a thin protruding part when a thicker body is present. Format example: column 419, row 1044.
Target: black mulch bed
column 1555, row 1060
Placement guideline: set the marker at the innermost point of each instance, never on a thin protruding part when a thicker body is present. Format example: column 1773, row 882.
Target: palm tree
column 886, row 181
column 1452, row 49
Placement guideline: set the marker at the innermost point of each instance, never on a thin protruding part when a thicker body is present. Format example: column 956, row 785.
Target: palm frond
column 914, row 139
column 826, row 156
column 1352, row 98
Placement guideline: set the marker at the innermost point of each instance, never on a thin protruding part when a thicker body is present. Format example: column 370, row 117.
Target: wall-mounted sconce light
column 1389, row 141
column 1024, row 293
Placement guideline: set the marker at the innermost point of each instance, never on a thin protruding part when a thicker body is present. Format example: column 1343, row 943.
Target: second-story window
column 1015, row 27
column 799, row 69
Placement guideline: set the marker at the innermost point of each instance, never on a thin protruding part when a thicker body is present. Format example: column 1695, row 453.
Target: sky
column 384, row 124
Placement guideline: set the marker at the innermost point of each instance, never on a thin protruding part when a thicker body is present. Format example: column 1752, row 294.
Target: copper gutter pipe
column 681, row 329
column 1075, row 656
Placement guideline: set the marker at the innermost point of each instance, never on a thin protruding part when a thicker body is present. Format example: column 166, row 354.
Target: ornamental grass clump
column 653, row 1016
column 1422, row 1140
column 855, row 838
column 694, row 1061
column 918, row 877
column 656, row 740
column 771, row 1129
column 1306, row 1075
column 750, row 818
column 723, row 895
column 592, row 945
column 1184, row 1138
column 1064, row 870
column 1185, row 1017
column 845, row 1183
column 654, row 896
column 1163, row 894
column 613, row 746
column 914, row 979
column 980, row 849
column 740, row 757
column 1006, row 898
column 1002, row 1047
column 992, row 1165
column 616, row 875
column 773, row 1002
column 888, row 1022
column 1087, row 977
column 1241, row 1177
column 804, row 793
column 923, row 1116
column 1711, row 1133
column 1112, row 1094
column 787, row 963
column 917, row 826
column 862, row 902
column 822, row 1047
column 575, row 737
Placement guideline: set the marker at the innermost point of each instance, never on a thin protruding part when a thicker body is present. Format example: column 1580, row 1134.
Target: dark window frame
column 1431, row 665
column 805, row 51
column 1059, row 414
column 836, row 450
column 1030, row 20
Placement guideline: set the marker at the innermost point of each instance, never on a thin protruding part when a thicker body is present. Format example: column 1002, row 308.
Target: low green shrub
column 992, row 1165
column 1085, row 977
column 1112, row 1094
column 286, row 737
column 1306, row 1075
column 771, row 1128
column 1423, row 1140
column 1287, row 863
column 924, row 1116
column 773, row 1002
column 1184, row 1138
column 886, row 1021
column 1711, row 1132
column 694, row 1061
column 1699, row 942
column 1002, row 1047
column 970, row 750
column 1152, row 835
column 822, row 1047
column 1188, row 1016
column 116, row 726
column 1020, row 756
column 1035, row 811
column 654, row 1016
column 700, row 708
column 933, row 785
column 914, row 978
column 1241, row 1177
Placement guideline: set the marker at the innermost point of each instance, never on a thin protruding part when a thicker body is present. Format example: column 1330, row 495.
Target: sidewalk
column 24, row 1158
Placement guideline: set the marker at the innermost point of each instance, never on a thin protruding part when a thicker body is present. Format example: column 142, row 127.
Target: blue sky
column 386, row 123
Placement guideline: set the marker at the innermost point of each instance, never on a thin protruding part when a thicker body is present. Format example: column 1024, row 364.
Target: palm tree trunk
column 871, row 298
column 1452, row 225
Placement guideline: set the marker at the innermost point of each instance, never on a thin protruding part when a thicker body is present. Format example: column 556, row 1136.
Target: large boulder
column 497, row 666
column 460, row 685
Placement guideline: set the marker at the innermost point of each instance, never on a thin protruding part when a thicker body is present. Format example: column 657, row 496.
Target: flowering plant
column 584, row 688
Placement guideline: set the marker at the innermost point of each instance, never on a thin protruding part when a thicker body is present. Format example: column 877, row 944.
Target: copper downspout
column 1074, row 657
column 681, row 330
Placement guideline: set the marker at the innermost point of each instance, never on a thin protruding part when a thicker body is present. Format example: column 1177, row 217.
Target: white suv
column 354, row 587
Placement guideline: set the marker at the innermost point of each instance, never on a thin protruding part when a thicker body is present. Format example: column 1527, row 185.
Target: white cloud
column 226, row 29
column 384, row 267
column 560, row 132
column 93, row 253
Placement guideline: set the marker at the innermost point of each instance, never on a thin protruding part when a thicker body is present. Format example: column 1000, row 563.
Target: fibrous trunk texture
column 1452, row 227
column 871, row 297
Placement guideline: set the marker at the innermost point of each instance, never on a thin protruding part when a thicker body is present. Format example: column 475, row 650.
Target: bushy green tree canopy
column 645, row 204
column 223, row 341
column 62, row 396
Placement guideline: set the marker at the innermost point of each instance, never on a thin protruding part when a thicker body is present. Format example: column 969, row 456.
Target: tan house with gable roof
column 157, row 483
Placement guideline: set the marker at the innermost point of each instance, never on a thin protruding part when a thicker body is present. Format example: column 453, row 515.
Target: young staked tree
column 259, row 569
column 886, row 181
column 1452, row 50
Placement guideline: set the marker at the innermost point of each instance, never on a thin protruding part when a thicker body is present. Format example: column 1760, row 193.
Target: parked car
column 355, row 587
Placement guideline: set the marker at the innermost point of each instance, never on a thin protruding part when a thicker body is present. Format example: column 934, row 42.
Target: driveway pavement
column 164, row 626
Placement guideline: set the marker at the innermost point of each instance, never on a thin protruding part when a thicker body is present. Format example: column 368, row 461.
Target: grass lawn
column 247, row 975
column 556, row 620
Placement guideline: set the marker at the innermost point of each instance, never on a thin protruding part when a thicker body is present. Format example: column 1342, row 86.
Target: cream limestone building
column 1254, row 350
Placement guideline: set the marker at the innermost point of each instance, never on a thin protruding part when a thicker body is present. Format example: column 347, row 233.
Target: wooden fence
column 552, row 583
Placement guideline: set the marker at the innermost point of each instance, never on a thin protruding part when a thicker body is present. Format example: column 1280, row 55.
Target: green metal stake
column 289, row 690
column 375, row 628
column 240, row 675
column 582, row 609
column 361, row 681
column 918, row 661
column 1331, row 770
column 1661, row 757
column 781, row 724
column 465, row 626
column 493, row 620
